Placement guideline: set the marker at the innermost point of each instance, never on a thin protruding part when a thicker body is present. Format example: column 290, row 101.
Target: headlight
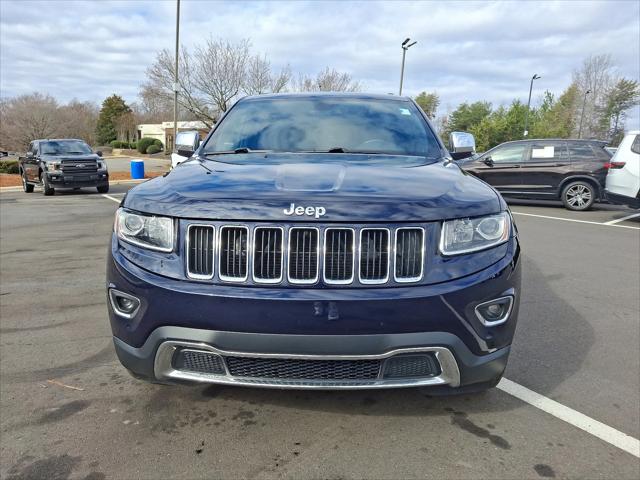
column 53, row 166
column 467, row 235
column 102, row 165
column 155, row 233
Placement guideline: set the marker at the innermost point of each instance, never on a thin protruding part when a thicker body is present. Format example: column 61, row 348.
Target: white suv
column 623, row 179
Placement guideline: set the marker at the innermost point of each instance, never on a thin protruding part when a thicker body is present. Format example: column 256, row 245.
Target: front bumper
column 60, row 180
column 314, row 325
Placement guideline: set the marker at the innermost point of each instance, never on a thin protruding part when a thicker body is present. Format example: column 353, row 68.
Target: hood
column 348, row 191
column 89, row 157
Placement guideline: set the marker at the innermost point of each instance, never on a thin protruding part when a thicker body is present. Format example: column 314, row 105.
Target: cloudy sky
column 465, row 51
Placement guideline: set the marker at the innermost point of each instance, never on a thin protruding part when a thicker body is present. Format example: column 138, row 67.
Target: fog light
column 123, row 304
column 494, row 312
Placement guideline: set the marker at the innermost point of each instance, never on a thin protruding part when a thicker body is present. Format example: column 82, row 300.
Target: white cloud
column 465, row 51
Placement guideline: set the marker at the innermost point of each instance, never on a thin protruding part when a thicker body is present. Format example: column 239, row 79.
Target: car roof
column 355, row 95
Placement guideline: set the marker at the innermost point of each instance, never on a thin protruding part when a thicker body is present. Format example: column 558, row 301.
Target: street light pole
column 584, row 104
column 526, row 115
column 405, row 47
column 175, row 83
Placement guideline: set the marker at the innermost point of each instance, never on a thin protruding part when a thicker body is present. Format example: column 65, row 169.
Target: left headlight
column 466, row 235
column 155, row 233
column 102, row 165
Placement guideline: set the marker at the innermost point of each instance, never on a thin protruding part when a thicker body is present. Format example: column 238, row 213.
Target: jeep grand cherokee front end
column 316, row 241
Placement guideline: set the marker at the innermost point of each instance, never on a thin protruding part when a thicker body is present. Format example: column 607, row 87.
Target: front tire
column 103, row 189
column 579, row 195
column 47, row 189
column 27, row 187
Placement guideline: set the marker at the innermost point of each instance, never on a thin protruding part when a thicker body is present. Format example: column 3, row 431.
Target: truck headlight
column 154, row 233
column 467, row 235
column 102, row 165
column 53, row 166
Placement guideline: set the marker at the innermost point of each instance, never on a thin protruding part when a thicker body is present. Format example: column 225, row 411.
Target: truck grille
column 233, row 253
column 268, row 254
column 303, row 255
column 79, row 166
column 200, row 251
column 374, row 255
column 409, row 246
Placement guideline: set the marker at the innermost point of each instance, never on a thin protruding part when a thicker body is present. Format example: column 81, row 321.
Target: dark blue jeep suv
column 316, row 241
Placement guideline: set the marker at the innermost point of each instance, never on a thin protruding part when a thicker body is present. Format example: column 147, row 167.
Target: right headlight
column 465, row 235
column 155, row 233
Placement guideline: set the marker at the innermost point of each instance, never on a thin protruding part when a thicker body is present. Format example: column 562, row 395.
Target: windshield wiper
column 347, row 150
column 236, row 151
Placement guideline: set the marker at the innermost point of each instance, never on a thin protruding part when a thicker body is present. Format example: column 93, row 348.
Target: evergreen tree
column 429, row 103
column 112, row 108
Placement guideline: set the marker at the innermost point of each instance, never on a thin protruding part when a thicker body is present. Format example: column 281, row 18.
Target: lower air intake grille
column 198, row 361
column 303, row 255
column 409, row 242
column 404, row 366
column 233, row 253
column 267, row 251
column 338, row 260
column 374, row 255
column 303, row 369
column 200, row 251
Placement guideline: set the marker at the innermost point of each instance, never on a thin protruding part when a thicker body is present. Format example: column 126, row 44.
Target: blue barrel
column 137, row 168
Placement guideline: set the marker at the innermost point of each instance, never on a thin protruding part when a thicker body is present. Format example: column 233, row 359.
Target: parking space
column 69, row 410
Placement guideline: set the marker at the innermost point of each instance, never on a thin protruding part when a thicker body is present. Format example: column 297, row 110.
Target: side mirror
column 185, row 151
column 99, row 153
column 462, row 142
column 488, row 161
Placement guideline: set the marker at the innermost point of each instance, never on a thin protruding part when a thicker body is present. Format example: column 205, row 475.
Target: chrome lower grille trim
column 164, row 369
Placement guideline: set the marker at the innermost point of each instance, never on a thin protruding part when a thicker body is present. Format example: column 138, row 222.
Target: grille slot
column 199, row 362
column 374, row 255
column 405, row 366
column 233, row 253
column 409, row 254
column 282, row 368
column 200, row 240
column 339, row 252
column 72, row 166
column 303, row 255
column 267, row 254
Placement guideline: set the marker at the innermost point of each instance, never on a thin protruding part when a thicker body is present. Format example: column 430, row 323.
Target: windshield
column 324, row 124
column 64, row 147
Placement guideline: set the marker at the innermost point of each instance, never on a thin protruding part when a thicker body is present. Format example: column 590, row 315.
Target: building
column 164, row 131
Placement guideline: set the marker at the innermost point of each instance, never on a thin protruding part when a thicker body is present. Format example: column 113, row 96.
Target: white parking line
column 577, row 419
column 117, row 200
column 606, row 224
column 628, row 217
column 598, row 429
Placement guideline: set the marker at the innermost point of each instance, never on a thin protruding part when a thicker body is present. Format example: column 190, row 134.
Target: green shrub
column 10, row 167
column 114, row 144
column 144, row 143
column 158, row 143
column 133, row 145
column 151, row 149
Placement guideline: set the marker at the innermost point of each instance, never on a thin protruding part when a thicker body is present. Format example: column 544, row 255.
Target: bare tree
column 259, row 77
column 597, row 75
column 77, row 120
column 328, row 80
column 27, row 117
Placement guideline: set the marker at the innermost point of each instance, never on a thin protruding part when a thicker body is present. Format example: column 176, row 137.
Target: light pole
column 584, row 104
column 175, row 83
column 526, row 115
column 405, row 47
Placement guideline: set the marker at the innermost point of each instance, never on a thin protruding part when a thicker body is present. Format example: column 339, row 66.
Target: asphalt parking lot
column 70, row 411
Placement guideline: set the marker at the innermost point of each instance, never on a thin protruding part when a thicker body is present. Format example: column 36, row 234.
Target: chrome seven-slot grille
column 372, row 254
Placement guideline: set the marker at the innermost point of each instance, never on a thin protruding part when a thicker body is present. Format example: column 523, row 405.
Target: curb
column 18, row 188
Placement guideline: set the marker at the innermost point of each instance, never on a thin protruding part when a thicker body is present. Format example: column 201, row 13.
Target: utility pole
column 526, row 115
column 405, row 47
column 584, row 104
column 175, row 83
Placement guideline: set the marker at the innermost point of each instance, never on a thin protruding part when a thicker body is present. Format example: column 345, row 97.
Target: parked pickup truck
column 317, row 241
column 62, row 163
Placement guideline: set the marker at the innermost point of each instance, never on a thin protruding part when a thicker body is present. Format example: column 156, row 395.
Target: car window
column 581, row 151
column 549, row 151
column 635, row 146
column 508, row 154
column 320, row 124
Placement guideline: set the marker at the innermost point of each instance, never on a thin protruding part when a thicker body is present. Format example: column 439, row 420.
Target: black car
column 573, row 171
column 62, row 163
